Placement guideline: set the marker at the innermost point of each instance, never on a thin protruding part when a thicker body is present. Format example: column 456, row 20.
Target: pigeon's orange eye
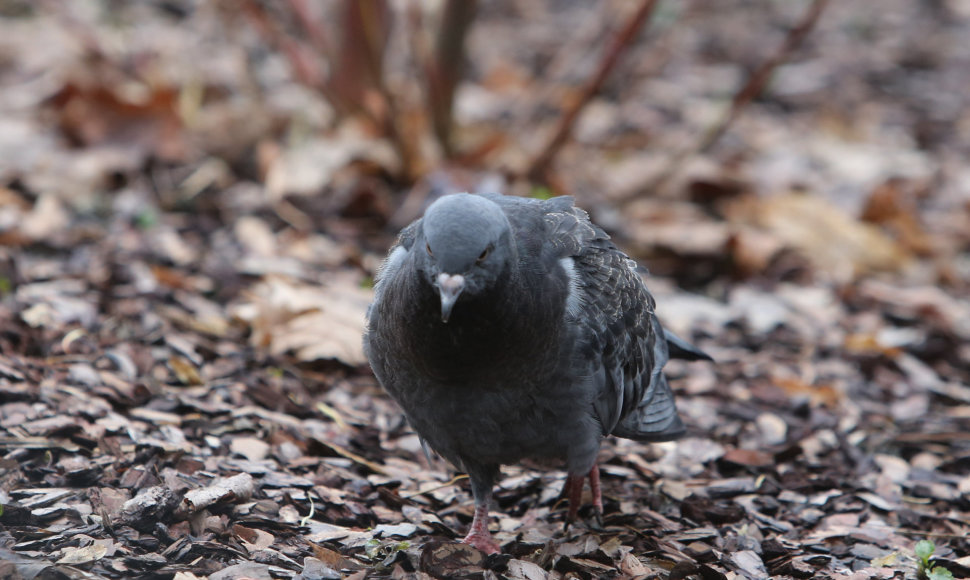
column 428, row 247
column 484, row 253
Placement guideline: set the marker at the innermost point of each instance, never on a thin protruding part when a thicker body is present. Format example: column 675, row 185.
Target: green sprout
column 924, row 550
column 376, row 549
column 146, row 219
column 371, row 548
column 541, row 192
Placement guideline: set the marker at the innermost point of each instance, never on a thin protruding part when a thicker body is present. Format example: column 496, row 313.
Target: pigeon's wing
column 622, row 342
column 387, row 271
column 395, row 258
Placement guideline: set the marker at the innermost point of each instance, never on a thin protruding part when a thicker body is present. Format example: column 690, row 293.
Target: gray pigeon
column 510, row 329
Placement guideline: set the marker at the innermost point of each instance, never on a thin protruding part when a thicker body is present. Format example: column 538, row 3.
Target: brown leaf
column 94, row 114
column 894, row 207
column 860, row 343
column 313, row 322
column 255, row 538
column 749, row 457
column 832, row 240
column 185, row 372
column 332, row 558
column 752, row 250
column 450, row 560
column 820, row 394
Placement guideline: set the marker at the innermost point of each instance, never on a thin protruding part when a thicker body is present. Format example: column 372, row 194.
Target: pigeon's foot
column 485, row 542
column 574, row 493
column 478, row 535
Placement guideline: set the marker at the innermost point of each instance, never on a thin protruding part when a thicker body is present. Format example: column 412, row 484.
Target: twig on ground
column 448, row 483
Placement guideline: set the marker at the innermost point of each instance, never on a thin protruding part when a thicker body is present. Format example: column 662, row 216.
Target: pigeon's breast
column 545, row 421
column 488, row 339
column 504, row 379
column 502, row 386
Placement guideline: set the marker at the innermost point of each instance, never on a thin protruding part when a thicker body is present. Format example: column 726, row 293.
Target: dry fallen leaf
column 252, row 448
column 525, row 570
column 893, row 205
column 48, row 217
column 819, row 394
column 185, row 372
column 312, row 322
column 831, row 239
column 141, row 117
column 84, row 555
column 254, row 539
column 308, row 167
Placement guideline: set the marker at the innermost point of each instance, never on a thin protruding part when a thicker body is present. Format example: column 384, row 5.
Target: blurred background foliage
column 756, row 138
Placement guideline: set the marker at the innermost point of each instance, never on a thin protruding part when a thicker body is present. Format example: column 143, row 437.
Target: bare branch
column 751, row 89
column 540, row 165
column 444, row 70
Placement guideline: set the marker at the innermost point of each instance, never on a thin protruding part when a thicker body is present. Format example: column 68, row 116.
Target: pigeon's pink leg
column 594, row 486
column 478, row 535
column 574, row 493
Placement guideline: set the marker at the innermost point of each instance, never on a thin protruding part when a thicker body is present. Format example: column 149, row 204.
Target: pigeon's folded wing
column 623, row 343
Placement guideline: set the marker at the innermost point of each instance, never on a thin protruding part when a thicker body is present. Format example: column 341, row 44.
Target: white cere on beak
column 449, row 287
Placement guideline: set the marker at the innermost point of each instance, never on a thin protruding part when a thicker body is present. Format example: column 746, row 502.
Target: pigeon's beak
column 450, row 287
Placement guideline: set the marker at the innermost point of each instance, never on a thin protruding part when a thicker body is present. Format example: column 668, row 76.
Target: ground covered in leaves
column 190, row 221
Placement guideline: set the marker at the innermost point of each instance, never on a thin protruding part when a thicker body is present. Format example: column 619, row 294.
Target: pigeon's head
column 467, row 246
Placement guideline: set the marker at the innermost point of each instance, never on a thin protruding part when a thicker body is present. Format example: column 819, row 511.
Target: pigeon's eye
column 484, row 254
column 427, row 246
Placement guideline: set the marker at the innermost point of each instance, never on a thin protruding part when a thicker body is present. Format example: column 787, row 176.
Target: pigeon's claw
column 478, row 535
column 483, row 543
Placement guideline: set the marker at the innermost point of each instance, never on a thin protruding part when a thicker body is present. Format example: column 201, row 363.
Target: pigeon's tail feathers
column 679, row 348
column 654, row 419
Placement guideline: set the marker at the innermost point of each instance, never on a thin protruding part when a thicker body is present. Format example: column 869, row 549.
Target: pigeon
column 511, row 329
